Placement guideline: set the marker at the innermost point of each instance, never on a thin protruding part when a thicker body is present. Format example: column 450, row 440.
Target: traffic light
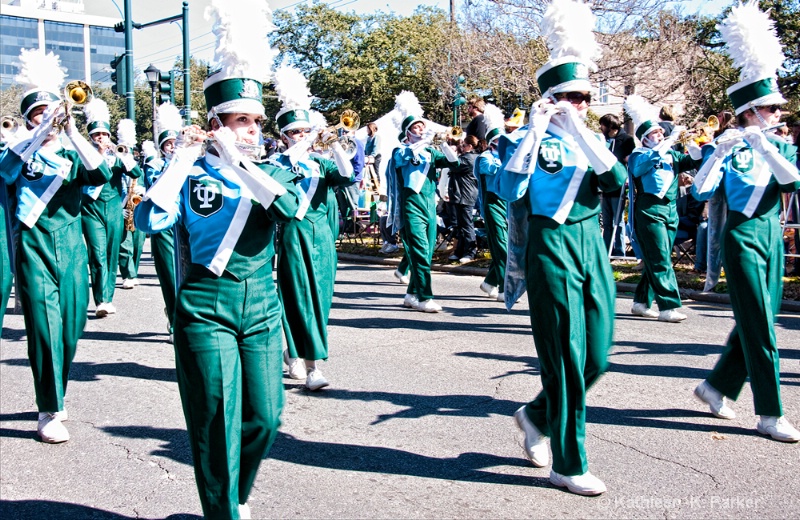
column 119, row 75
column 166, row 87
column 459, row 97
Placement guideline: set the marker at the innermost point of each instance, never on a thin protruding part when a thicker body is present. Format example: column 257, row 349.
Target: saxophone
column 131, row 201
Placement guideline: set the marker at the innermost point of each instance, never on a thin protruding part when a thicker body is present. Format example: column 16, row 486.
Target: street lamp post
column 153, row 75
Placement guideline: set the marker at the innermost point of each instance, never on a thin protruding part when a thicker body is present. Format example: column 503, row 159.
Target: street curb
column 700, row 296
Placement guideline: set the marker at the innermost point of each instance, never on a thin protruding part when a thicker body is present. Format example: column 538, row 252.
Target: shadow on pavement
column 652, row 419
column 86, row 372
column 39, row 509
column 467, row 467
column 175, row 441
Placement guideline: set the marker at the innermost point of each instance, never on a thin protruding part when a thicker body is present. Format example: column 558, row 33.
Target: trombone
column 76, row 93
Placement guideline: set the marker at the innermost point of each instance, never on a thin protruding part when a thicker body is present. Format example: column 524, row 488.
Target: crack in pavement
column 717, row 484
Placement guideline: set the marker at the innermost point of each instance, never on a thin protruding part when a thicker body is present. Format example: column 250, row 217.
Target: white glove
column 522, row 161
column 127, row 161
column 695, row 152
column 226, row 145
column 91, row 158
column 449, row 152
column 126, row 213
column 26, row 148
column 139, row 190
column 343, row 163
column 783, row 170
column 597, row 153
column 724, row 148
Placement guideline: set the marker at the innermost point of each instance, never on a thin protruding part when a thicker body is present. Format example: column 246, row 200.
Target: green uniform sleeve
column 331, row 173
column 789, row 151
column 682, row 162
column 284, row 207
column 86, row 177
column 613, row 179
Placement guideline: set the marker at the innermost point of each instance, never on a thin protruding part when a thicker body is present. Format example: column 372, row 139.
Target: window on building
column 105, row 44
column 66, row 40
column 16, row 34
column 602, row 93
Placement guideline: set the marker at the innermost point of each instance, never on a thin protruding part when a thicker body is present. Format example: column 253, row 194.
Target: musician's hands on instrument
column 724, row 147
column 191, row 135
column 756, row 139
column 226, row 143
column 126, row 213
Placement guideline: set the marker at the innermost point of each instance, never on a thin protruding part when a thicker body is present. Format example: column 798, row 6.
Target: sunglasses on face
column 575, row 97
column 771, row 109
column 298, row 131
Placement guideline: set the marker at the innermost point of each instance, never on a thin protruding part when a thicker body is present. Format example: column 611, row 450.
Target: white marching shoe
column 402, row 278
column 101, row 311
column 490, row 290
column 671, row 316
column 715, row 401
column 315, row 380
column 778, row 428
column 501, row 297
column 428, row 306
column 587, row 484
column 535, row 445
column 640, row 309
column 50, row 429
column 410, row 301
column 129, row 283
column 297, row 366
column 244, row 512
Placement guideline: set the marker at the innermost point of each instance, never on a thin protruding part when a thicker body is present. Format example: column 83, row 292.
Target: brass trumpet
column 702, row 135
column 349, row 121
column 122, row 149
column 455, row 133
column 9, row 124
column 76, row 93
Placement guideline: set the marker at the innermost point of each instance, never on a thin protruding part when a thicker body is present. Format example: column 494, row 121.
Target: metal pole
column 153, row 87
column 130, row 101
column 187, row 92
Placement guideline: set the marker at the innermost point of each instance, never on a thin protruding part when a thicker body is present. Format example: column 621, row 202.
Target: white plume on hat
column 96, row 110
column 751, row 41
column 149, row 149
column 292, row 89
column 407, row 104
column 168, row 117
column 568, row 30
column 242, row 29
column 640, row 110
column 40, row 70
column 493, row 117
column 317, row 120
column 126, row 132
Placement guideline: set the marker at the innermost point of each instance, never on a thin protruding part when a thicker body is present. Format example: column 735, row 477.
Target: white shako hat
column 568, row 30
column 98, row 117
column 242, row 58
column 295, row 99
column 408, row 109
column 644, row 115
column 753, row 45
column 168, row 122
column 41, row 76
column 495, row 122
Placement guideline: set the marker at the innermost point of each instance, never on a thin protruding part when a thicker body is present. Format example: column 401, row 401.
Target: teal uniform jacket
column 655, row 178
column 752, row 254
column 417, row 175
column 6, row 245
column 569, row 283
column 103, row 224
column 307, row 257
column 228, row 341
column 51, row 261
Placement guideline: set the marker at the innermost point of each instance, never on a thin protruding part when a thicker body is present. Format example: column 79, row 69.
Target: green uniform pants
column 130, row 252
column 6, row 277
column 306, row 273
column 419, row 237
column 55, row 293
column 228, row 359
column 753, row 258
column 656, row 226
column 404, row 264
column 102, row 227
column 494, row 212
column 162, row 246
column 571, row 296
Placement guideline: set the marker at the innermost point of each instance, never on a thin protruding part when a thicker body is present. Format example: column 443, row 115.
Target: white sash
column 62, row 167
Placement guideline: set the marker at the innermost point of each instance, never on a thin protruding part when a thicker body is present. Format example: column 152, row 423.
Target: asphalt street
column 416, row 423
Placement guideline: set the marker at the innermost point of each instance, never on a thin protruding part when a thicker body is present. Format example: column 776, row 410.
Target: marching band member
column 227, row 316
column 101, row 210
column 393, row 212
column 493, row 208
column 50, row 253
column 654, row 169
column 130, row 249
column 560, row 167
column 752, row 168
column 307, row 254
column 162, row 244
column 416, row 169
